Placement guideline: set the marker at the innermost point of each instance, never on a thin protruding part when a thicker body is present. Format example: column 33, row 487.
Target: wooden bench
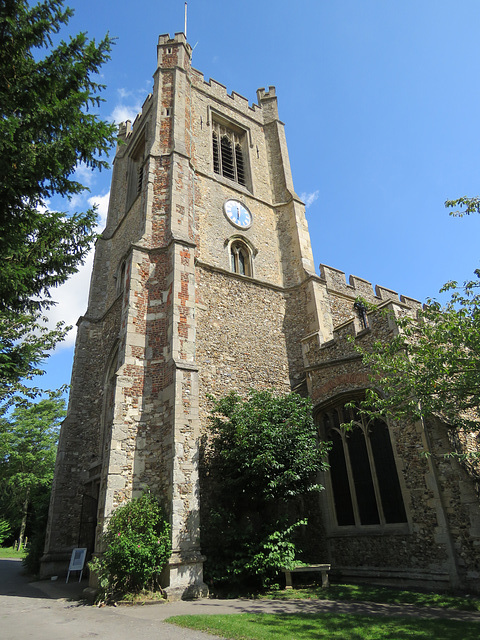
column 322, row 568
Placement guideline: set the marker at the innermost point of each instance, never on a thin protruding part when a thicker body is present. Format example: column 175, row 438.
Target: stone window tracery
column 228, row 153
column 240, row 258
column 363, row 476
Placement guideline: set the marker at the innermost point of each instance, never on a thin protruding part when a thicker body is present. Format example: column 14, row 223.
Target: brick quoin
column 185, row 257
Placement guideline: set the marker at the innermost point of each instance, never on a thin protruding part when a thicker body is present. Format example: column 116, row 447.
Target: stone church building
column 204, row 282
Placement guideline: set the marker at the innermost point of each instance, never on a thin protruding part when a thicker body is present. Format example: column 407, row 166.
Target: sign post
column 77, row 562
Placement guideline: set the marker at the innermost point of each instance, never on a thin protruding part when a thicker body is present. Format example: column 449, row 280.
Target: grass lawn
column 384, row 595
column 248, row 626
column 8, row 552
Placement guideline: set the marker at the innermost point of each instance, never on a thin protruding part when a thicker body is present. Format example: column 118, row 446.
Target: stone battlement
column 263, row 94
column 339, row 347
column 359, row 288
column 179, row 37
column 127, row 129
column 219, row 91
column 213, row 88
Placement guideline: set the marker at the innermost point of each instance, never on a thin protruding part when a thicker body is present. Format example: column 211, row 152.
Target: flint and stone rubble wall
column 441, row 546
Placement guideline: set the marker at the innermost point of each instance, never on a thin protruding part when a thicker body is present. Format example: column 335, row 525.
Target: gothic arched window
column 108, row 402
column 363, row 474
column 120, row 277
column 240, row 258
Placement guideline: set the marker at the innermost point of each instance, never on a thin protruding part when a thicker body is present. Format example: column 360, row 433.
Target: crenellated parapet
column 179, row 37
column 380, row 323
column 166, row 56
column 219, row 91
column 173, row 52
column 127, row 130
column 356, row 287
column 263, row 94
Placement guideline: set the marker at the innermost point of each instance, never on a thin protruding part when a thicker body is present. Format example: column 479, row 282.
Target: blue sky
column 381, row 104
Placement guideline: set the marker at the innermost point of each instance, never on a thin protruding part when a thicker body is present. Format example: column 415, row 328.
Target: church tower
column 203, row 282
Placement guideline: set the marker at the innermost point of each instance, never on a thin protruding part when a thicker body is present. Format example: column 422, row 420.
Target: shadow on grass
column 331, row 626
column 382, row 595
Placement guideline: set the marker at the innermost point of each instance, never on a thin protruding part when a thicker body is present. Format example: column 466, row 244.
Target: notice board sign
column 77, row 562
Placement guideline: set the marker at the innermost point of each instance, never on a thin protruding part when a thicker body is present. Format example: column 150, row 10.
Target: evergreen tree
column 48, row 127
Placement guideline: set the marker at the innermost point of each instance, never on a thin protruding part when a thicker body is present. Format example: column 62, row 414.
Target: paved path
column 42, row 611
column 48, row 611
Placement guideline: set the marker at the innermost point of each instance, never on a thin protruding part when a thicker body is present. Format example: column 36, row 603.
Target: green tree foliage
column 25, row 342
column 262, row 453
column 432, row 364
column 28, row 442
column 463, row 206
column 138, row 546
column 48, row 127
column 4, row 530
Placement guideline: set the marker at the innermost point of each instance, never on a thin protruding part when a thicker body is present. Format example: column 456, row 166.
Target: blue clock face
column 238, row 214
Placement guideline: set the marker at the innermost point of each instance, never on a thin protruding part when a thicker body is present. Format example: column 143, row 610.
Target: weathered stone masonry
column 172, row 318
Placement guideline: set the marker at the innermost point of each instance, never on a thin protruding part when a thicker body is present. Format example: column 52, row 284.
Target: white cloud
column 309, row 198
column 72, row 297
column 42, row 207
column 84, row 174
column 76, row 202
column 130, row 103
column 123, row 112
column 124, row 93
column 102, row 208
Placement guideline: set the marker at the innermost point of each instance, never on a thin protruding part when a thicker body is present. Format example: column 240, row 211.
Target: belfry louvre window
column 228, row 160
column 135, row 172
column 363, row 475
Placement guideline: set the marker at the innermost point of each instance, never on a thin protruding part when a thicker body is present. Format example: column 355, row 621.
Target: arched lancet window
column 135, row 171
column 240, row 258
column 363, row 475
column 120, row 277
column 108, row 402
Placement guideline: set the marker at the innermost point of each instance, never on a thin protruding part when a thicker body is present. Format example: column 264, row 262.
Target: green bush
column 4, row 530
column 262, row 455
column 278, row 549
column 137, row 548
column 249, row 556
